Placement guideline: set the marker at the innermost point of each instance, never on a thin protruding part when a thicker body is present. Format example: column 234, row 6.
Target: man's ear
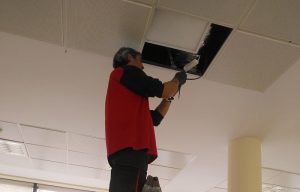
column 130, row 58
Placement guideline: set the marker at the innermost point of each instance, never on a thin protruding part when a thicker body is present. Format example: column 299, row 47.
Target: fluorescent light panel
column 12, row 148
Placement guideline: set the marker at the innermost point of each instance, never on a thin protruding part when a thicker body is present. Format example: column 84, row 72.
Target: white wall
column 42, row 85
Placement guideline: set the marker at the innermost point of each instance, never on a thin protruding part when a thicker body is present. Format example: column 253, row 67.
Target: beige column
column 244, row 165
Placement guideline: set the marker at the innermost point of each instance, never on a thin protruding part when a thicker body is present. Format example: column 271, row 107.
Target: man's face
column 137, row 61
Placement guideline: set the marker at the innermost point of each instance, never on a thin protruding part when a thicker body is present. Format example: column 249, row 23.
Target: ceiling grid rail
column 64, row 23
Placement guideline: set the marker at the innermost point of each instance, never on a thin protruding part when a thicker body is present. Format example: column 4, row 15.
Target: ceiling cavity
column 176, row 59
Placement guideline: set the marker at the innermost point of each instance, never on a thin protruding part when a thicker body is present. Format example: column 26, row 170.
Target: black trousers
column 129, row 170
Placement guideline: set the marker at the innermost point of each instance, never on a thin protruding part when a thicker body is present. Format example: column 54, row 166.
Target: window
column 15, row 186
column 18, row 186
column 47, row 188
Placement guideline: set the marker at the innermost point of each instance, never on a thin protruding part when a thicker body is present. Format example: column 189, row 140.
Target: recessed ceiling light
column 12, row 148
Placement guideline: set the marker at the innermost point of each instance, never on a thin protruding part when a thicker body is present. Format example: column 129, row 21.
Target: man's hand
column 181, row 77
column 173, row 86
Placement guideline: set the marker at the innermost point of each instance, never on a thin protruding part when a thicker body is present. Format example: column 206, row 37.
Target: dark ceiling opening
column 175, row 59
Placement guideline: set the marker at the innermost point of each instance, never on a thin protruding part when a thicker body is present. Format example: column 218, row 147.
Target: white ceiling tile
column 293, row 190
column 49, row 166
column 275, row 18
column 173, row 159
column 39, row 20
column 252, row 62
column 275, row 188
column 104, row 26
column 10, row 131
column 38, row 136
column 266, row 187
column 223, row 184
column 162, row 172
column 85, row 144
column 76, row 158
column 268, row 174
column 105, row 174
column 217, row 190
column 14, row 160
column 145, row 2
column 229, row 11
column 286, row 179
column 163, row 182
column 47, row 153
column 84, row 171
column 176, row 30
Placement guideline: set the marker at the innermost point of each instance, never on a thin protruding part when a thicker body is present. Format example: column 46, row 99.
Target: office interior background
column 55, row 61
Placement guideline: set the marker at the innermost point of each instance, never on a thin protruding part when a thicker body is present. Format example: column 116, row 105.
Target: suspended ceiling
column 250, row 87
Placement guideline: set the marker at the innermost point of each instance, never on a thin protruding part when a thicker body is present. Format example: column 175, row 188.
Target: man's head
column 127, row 56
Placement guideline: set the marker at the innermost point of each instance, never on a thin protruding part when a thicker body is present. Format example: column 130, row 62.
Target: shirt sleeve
column 156, row 117
column 137, row 81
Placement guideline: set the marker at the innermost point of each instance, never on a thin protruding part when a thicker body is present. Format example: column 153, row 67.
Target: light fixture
column 12, row 148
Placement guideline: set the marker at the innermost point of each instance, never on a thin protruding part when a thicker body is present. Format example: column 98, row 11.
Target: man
column 130, row 137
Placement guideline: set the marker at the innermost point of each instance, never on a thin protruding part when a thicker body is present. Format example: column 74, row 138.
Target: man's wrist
column 170, row 99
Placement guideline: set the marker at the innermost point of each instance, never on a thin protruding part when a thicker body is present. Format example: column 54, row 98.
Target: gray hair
column 121, row 56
